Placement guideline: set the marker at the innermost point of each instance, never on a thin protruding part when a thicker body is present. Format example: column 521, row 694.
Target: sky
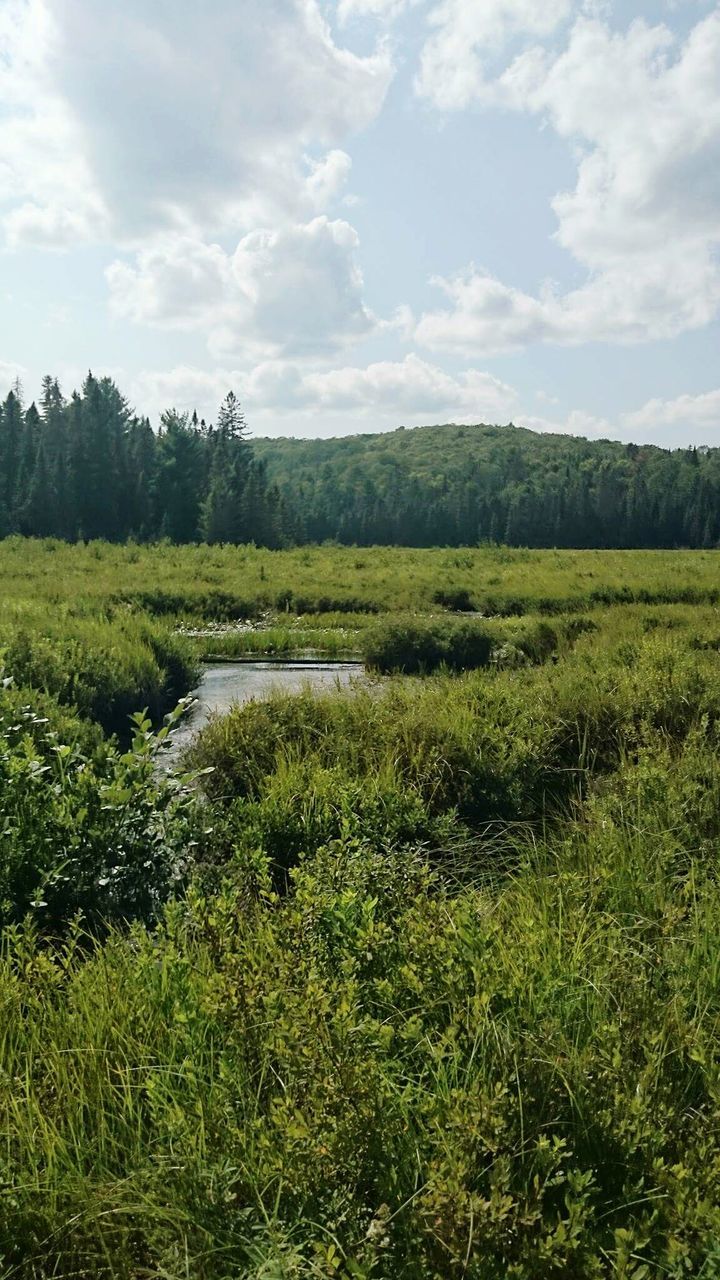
column 361, row 214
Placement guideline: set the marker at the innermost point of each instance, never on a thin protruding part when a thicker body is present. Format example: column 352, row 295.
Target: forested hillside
column 460, row 485
column 88, row 468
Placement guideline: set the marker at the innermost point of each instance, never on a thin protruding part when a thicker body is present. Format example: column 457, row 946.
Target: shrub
column 104, row 836
column 416, row 646
column 457, row 598
column 104, row 669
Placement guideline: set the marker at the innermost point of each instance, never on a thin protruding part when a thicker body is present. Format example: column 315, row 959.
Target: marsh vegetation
column 412, row 980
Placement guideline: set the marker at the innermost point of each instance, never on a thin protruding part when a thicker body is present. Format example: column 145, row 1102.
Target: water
column 227, row 684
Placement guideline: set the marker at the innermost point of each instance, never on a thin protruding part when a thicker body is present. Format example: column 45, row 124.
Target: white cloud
column 122, row 119
column 51, row 226
column 184, row 388
column 297, row 290
column 486, row 315
column 327, row 177
column 644, row 217
column 673, row 424
column 577, row 423
column 411, row 389
column 646, row 297
column 387, row 9
column 178, row 282
column 648, row 115
column 694, row 414
column 46, row 188
column 468, row 38
column 284, row 396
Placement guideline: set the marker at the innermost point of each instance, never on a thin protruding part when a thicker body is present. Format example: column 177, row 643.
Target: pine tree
column 27, row 457
column 179, row 477
column 231, row 422
column 11, row 432
column 38, row 513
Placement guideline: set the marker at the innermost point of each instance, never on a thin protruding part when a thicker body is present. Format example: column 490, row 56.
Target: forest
column 412, row 979
column 88, row 468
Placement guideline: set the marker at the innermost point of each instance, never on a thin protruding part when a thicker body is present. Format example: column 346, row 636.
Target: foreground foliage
column 93, row 833
column 377, row 1077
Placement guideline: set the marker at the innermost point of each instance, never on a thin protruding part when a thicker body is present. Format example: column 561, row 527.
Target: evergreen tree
column 11, row 435
column 179, row 477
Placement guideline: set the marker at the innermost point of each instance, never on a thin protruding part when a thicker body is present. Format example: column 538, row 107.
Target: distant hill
column 459, row 485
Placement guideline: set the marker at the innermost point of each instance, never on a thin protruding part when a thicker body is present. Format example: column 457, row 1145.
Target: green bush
column 415, row 646
column 450, row 754
column 103, row 836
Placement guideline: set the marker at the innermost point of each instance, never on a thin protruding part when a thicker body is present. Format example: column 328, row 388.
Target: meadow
column 415, row 981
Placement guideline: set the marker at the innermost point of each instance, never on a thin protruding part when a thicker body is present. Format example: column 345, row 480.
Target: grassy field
column 242, row 582
column 417, row 981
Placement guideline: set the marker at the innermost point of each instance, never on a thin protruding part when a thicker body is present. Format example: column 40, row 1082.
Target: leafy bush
column 103, row 836
column 456, row 598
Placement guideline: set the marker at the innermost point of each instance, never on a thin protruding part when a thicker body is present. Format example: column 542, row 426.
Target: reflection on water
column 225, row 684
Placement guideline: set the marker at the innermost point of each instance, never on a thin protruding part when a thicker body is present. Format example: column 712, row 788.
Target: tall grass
column 441, row 999
column 105, row 668
column 377, row 1077
column 237, row 582
column 279, row 641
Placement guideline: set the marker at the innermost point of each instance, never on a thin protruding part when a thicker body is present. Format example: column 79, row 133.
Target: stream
column 227, row 684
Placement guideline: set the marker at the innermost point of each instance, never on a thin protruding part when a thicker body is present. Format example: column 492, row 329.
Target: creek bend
column 227, row 684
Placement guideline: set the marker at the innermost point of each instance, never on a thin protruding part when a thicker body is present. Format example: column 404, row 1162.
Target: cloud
column 459, row 57
column 411, row 389
column 644, row 217
column 647, row 297
column 577, row 423
column 124, row 119
column 47, row 195
column 178, row 283
column 648, row 116
column 698, row 416
column 327, row 177
column 184, row 388
column 672, row 424
column 387, row 9
column 283, row 395
column 485, row 315
column 297, row 290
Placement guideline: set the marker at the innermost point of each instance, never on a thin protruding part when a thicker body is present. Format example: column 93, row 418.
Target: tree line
column 88, row 467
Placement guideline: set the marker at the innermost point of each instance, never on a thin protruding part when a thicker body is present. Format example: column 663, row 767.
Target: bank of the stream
column 224, row 685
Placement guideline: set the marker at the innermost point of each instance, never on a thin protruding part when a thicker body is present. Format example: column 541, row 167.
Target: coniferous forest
column 87, row 467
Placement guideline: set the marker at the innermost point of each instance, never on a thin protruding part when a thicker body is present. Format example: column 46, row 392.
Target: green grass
column 424, row 984
column 379, row 1077
column 276, row 640
column 244, row 581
